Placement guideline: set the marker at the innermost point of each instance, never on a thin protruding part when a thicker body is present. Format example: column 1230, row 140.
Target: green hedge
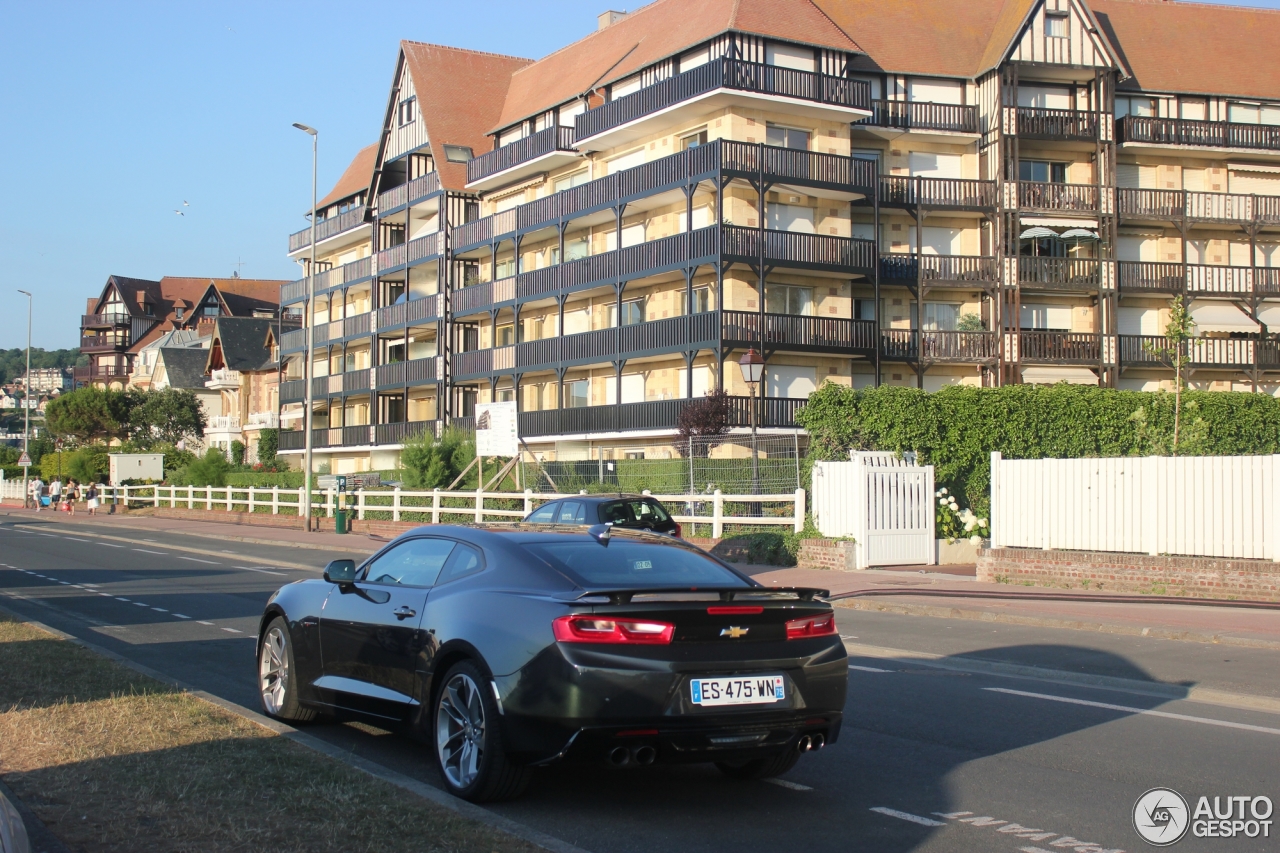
column 957, row 428
column 265, row 479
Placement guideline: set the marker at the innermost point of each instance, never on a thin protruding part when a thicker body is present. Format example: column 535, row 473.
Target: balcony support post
column 918, row 213
column 515, row 320
column 875, row 282
column 618, row 364
column 689, row 357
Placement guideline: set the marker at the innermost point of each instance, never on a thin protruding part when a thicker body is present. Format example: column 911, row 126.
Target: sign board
column 136, row 466
column 342, row 483
column 497, row 429
column 25, row 459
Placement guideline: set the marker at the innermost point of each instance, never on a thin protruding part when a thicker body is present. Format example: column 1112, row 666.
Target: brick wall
column 834, row 554
column 1194, row 577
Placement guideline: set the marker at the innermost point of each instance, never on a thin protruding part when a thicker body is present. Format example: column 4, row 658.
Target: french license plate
column 738, row 690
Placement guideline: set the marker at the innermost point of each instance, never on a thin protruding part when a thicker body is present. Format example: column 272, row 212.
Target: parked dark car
column 638, row 512
column 511, row 647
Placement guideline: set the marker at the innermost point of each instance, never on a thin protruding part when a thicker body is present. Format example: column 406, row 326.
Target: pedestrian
column 55, row 494
column 91, row 498
column 37, row 491
column 73, row 494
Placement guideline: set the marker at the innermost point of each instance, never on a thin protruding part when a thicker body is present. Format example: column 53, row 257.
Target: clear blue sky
column 113, row 114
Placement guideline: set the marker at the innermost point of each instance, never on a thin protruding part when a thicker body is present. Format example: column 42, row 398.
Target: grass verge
column 111, row 760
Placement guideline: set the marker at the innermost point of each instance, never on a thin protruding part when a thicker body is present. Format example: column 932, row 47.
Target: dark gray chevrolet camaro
column 513, row 647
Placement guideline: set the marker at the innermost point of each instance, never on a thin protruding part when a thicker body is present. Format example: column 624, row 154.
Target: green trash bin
column 340, row 521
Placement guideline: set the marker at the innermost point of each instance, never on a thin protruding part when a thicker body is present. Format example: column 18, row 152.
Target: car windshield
column 627, row 564
column 628, row 512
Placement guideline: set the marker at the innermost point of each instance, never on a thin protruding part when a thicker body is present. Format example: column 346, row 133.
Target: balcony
column 797, row 333
column 293, row 390
column 1178, row 205
column 105, row 321
column 104, row 342
column 401, row 374
column 1145, row 130
column 1138, row 277
column 398, row 433
column 1150, row 277
column 786, row 166
column 1042, row 123
column 223, row 379
column 717, row 83
column 327, row 229
column 1060, row 198
column 946, row 193
column 1059, row 273
column 939, row 270
column 933, row 345
column 223, row 424
column 539, row 152
column 1151, row 351
column 406, row 313
column 409, row 253
column 99, row 373
column 292, row 341
column 408, row 193
column 263, row 420
column 920, row 116
column 1059, row 347
column 651, row 415
column 796, row 250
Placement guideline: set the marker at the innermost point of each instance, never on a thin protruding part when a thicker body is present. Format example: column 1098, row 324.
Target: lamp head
column 752, row 366
column 305, row 129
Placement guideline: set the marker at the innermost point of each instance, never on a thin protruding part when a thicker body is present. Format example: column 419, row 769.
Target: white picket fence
column 883, row 502
column 436, row 506
column 1207, row 506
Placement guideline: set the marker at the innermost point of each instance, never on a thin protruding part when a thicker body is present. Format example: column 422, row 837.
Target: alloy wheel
column 460, row 730
column 273, row 671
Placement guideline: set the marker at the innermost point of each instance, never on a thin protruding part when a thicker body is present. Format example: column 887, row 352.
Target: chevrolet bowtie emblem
column 733, row 632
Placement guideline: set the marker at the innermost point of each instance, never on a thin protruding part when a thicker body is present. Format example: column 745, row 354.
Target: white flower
column 975, row 539
column 969, row 525
column 952, row 501
column 942, row 491
column 942, row 501
column 982, row 522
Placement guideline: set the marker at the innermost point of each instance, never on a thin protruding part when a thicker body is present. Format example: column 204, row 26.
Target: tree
column 88, row 414
column 1177, row 334
column 704, row 419
column 164, row 417
column 434, row 463
column 268, row 446
column 236, row 453
column 209, row 470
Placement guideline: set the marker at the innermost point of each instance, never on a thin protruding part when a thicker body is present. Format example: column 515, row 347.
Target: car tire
column 277, row 675
column 760, row 768
column 466, row 729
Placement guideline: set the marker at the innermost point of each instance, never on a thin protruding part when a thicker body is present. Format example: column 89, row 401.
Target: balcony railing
column 654, row 414
column 1212, row 207
column 1158, row 351
column 105, row 321
column 1059, row 273
column 794, row 166
column 792, row 331
column 1059, row 347
column 222, row 423
column 398, row 433
column 1039, row 195
column 1198, row 279
column 800, row 250
column 408, row 193
column 293, row 390
column 327, row 228
column 725, row 74
column 416, row 371
column 263, row 420
column 483, row 295
column 912, row 191
column 407, row 253
column 293, row 340
column 99, row 372
column 918, row 115
column 292, row 439
column 531, row 147
column 1204, row 134
column 412, row 311
column 1057, row 124
column 104, row 342
column 938, row 269
column 938, row 345
column 1151, row 276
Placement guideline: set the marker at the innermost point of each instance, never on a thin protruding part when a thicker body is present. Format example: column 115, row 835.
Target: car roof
column 601, row 498
column 519, row 533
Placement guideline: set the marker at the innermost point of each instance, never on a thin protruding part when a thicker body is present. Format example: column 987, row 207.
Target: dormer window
column 408, row 111
column 1056, row 26
column 178, row 312
column 458, row 153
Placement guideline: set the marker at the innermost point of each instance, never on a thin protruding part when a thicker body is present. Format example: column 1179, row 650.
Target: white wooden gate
column 883, row 502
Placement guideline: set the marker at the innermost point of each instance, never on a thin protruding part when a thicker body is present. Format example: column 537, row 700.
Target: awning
column 1220, row 317
column 1078, row 234
column 1253, row 167
column 1271, row 317
column 1054, row 375
column 1059, row 222
column 1037, row 233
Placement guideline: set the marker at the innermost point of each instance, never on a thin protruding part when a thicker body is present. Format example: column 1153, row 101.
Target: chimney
column 606, row 19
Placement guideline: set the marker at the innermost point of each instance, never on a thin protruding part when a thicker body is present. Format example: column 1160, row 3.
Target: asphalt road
column 929, row 760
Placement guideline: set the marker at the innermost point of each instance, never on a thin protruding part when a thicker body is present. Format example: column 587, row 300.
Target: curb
column 950, row 612
column 386, row 774
column 1155, row 689
column 1096, row 598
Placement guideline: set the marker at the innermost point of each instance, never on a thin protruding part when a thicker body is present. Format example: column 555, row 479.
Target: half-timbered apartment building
column 866, row 192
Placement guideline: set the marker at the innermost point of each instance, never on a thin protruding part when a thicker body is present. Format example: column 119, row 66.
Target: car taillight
column 583, row 628
column 735, row 610
column 679, row 531
column 812, row 626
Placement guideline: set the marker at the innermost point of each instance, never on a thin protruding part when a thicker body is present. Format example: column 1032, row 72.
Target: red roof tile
column 355, row 179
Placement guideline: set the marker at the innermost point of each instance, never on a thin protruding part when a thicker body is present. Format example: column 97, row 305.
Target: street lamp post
column 26, row 405
column 310, row 321
column 752, row 372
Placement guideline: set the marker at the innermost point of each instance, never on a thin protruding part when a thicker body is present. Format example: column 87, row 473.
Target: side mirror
column 340, row 571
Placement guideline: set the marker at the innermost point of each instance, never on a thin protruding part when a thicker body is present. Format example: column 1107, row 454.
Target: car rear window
column 627, row 564
column 626, row 512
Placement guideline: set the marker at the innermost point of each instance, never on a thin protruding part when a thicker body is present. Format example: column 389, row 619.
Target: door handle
column 403, row 612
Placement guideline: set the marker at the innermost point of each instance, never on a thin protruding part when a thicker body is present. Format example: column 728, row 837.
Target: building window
column 408, row 111
column 693, row 140
column 632, row 313
column 787, row 137
column 569, row 181
column 864, row 309
column 1254, row 113
column 1133, row 105
column 505, row 395
column 941, row 316
column 575, row 249
column 458, row 153
column 1042, row 171
column 701, row 300
column 178, row 313
column 467, row 402
column 1056, row 26
column 505, row 336
column 577, row 394
column 788, row 299
column 504, row 269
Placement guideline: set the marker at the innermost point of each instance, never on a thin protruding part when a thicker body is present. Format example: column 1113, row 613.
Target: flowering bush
column 953, row 523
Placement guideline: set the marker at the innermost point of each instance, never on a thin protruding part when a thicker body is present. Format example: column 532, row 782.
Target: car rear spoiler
column 624, row 596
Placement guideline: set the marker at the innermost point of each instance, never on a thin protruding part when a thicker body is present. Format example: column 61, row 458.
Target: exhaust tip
column 645, row 755
column 805, row 744
column 619, row 756
column 819, row 741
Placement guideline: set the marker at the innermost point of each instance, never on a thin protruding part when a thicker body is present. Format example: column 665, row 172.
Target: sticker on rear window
column 642, row 564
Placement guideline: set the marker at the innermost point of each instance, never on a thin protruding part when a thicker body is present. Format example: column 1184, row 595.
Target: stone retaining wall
column 835, row 554
column 1194, row 577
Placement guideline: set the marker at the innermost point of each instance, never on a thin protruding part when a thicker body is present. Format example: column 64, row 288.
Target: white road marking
column 255, row 569
column 783, row 783
column 194, row 560
column 912, row 818
column 159, row 610
column 233, row 630
column 145, row 551
column 180, row 616
column 1131, row 710
column 868, row 668
column 65, row 583
column 109, row 545
column 140, row 604
column 202, row 622
column 106, row 595
column 118, row 598
column 50, row 535
column 74, row 539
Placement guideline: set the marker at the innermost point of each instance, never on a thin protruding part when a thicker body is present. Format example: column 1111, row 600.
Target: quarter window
column 413, row 563
column 464, row 561
column 572, row 512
